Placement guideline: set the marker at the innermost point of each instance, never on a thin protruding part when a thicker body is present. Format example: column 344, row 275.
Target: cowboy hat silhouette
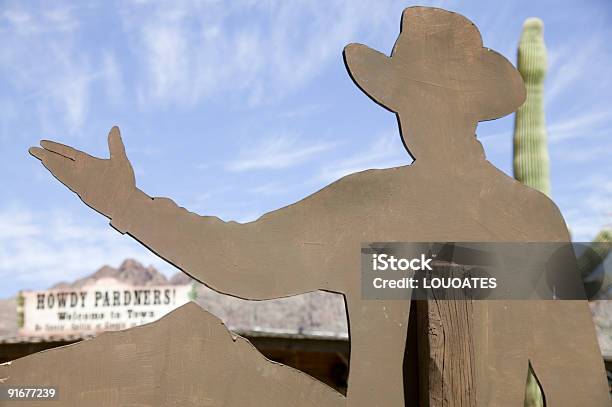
column 437, row 60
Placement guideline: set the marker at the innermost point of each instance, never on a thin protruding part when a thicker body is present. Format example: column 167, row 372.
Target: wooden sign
column 96, row 308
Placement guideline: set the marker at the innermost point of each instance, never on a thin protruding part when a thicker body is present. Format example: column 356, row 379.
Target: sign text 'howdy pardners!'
column 96, row 308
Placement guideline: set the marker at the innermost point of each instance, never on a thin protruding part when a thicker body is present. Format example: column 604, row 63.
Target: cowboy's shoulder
column 540, row 213
column 373, row 179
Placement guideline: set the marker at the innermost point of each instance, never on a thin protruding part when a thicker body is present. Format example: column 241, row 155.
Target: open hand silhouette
column 103, row 184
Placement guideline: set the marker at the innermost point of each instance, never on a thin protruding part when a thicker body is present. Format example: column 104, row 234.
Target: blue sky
column 237, row 108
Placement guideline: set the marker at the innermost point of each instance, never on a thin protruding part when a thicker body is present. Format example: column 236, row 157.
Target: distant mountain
column 130, row 272
column 180, row 278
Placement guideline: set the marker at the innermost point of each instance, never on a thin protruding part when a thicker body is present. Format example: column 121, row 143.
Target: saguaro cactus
column 531, row 162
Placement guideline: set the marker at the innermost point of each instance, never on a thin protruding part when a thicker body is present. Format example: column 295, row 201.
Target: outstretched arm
column 271, row 257
column 283, row 253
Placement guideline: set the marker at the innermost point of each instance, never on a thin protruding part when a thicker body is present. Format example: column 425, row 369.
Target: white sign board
column 96, row 308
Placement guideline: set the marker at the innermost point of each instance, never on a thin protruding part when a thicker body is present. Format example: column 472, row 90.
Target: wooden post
column 446, row 351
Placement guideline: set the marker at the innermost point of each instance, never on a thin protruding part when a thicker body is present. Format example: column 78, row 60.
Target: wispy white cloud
column 568, row 127
column 23, row 21
column 37, row 249
column 192, row 51
column 113, row 78
column 600, row 200
column 269, row 188
column 567, row 64
column 584, row 126
column 43, row 63
column 301, row 111
column 584, row 154
column 592, row 211
column 585, row 226
column 384, row 152
column 277, row 152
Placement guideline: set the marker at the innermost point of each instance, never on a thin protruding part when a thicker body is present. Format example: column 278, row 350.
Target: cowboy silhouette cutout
column 440, row 82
